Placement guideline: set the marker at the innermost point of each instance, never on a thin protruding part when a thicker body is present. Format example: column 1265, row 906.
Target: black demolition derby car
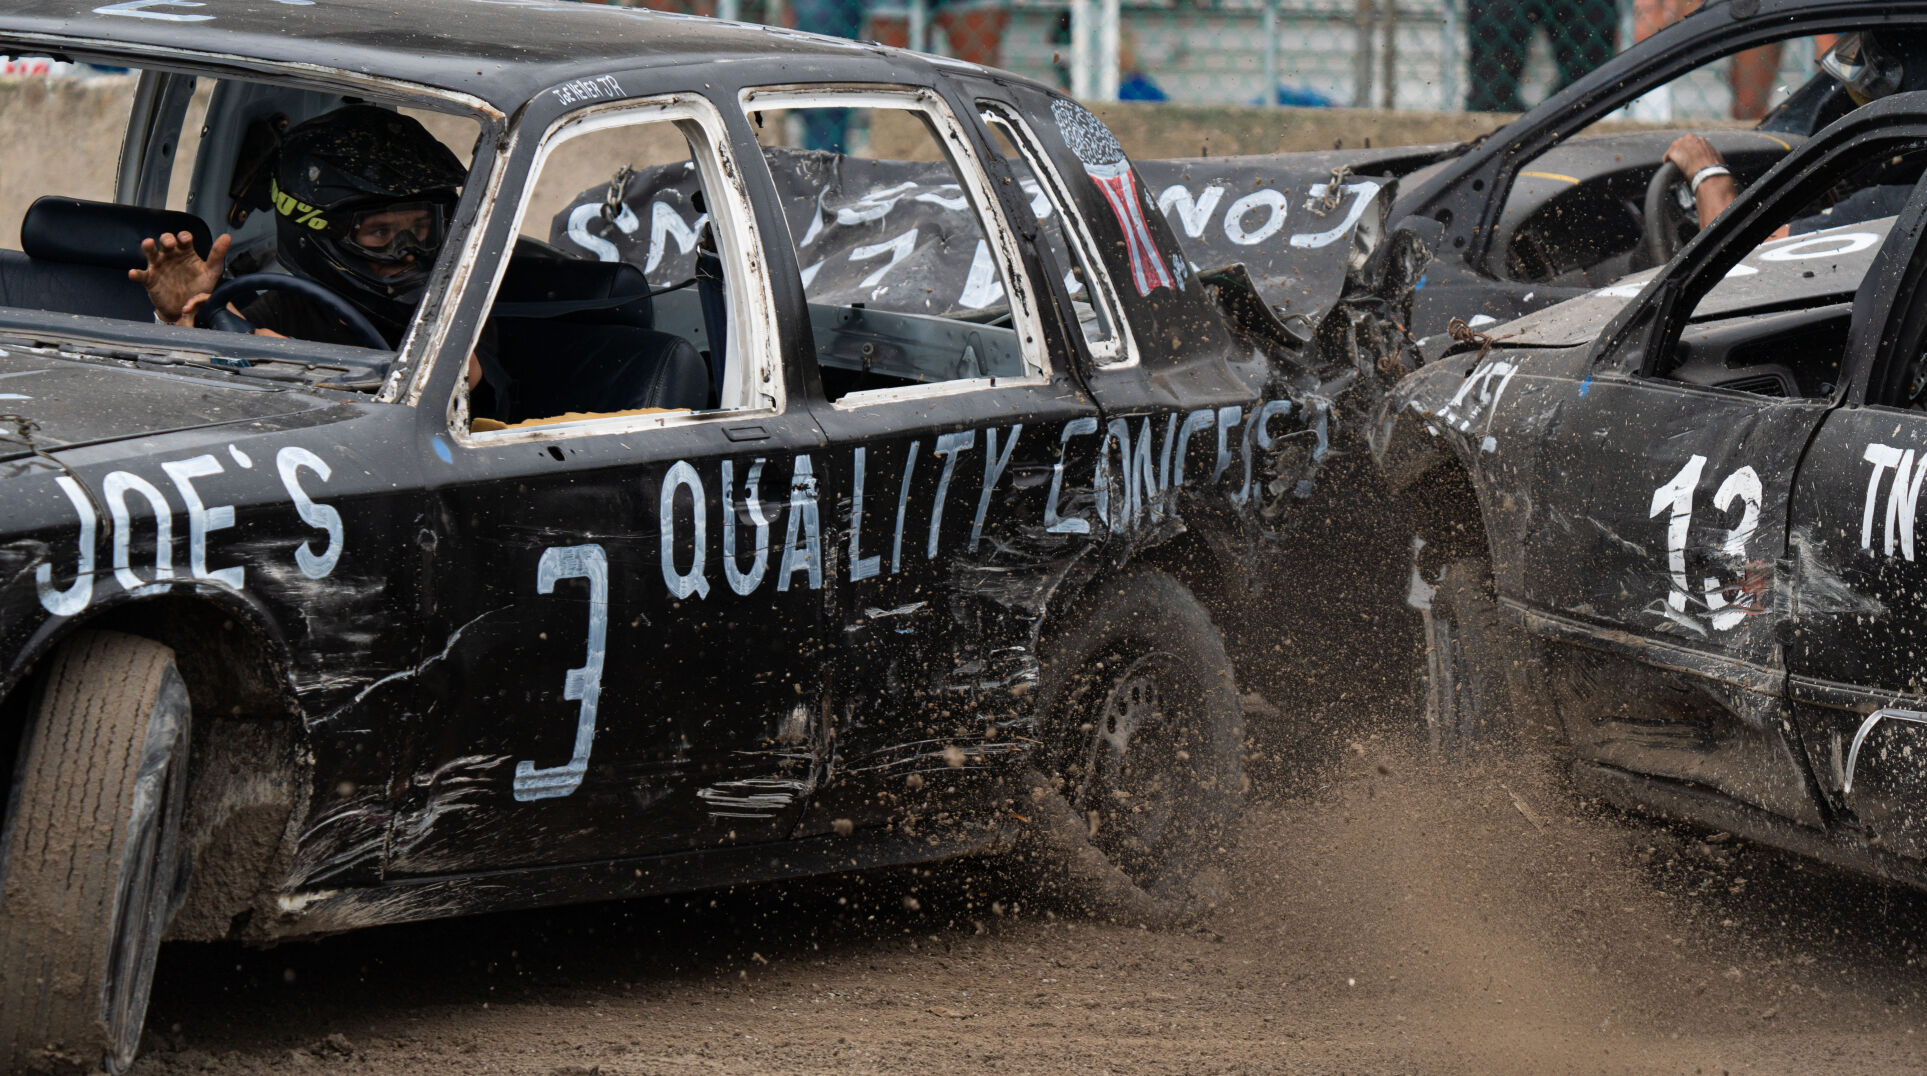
column 1674, row 523
column 617, row 515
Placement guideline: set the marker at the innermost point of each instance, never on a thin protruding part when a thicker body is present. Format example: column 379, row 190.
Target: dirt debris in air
column 1383, row 913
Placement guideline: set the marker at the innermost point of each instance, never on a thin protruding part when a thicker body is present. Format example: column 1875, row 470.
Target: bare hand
column 1692, row 153
column 176, row 276
column 188, row 309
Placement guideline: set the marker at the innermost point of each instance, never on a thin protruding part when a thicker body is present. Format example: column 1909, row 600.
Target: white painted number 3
column 573, row 562
column 1677, row 494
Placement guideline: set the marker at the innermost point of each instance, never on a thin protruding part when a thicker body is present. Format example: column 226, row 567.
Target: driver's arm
column 178, row 281
column 193, row 306
column 1693, row 154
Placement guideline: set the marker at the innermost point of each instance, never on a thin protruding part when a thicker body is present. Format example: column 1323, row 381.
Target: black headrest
column 101, row 233
column 538, row 286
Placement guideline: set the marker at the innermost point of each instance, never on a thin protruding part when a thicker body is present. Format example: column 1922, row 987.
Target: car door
column 1654, row 478
column 947, row 405
column 625, row 659
column 1857, row 628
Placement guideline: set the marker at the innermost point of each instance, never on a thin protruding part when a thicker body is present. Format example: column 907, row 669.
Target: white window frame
column 963, row 160
column 754, row 383
column 1120, row 350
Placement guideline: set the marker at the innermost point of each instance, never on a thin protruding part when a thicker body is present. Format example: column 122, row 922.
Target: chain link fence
column 1439, row 55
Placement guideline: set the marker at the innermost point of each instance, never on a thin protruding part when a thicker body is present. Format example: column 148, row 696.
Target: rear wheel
column 1148, row 775
column 91, row 869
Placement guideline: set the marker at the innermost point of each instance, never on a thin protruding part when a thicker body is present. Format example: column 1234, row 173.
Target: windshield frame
column 427, row 331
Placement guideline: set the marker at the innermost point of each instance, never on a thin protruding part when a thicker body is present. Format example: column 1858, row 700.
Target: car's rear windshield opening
column 310, row 214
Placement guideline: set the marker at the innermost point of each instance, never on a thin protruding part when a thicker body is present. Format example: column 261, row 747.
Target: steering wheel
column 254, row 283
column 1666, row 217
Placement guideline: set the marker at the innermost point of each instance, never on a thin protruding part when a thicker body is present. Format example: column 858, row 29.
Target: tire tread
column 62, row 873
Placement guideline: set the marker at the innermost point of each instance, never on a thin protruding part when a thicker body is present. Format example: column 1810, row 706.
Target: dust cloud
column 1382, row 911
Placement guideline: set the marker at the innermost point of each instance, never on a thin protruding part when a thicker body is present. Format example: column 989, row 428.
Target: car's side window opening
column 879, row 234
column 1776, row 322
column 54, row 253
column 1581, row 213
column 1065, row 238
column 624, row 295
column 267, row 182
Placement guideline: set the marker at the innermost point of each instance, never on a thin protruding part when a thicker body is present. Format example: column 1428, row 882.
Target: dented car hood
column 64, row 402
column 1803, row 270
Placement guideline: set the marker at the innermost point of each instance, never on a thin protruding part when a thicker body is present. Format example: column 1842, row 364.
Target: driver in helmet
column 362, row 197
column 1869, row 67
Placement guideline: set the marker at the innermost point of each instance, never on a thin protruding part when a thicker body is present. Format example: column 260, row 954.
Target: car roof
column 501, row 51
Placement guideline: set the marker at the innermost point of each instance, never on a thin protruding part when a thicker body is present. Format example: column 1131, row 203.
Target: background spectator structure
column 1449, row 55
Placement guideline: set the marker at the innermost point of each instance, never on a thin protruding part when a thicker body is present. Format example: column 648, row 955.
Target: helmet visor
column 390, row 234
column 1863, row 67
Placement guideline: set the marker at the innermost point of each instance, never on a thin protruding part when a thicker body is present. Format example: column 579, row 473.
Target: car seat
column 549, row 367
column 75, row 255
column 538, row 285
column 575, row 335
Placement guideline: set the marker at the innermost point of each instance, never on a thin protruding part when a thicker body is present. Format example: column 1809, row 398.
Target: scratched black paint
column 405, row 604
column 1706, row 527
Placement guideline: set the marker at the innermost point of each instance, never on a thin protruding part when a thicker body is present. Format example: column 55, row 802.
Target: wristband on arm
column 1707, row 173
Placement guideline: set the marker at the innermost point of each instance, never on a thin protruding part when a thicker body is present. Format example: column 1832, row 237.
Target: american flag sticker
column 1097, row 149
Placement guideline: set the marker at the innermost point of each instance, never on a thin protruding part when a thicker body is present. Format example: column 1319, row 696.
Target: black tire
column 1483, row 680
column 90, row 859
column 1145, row 776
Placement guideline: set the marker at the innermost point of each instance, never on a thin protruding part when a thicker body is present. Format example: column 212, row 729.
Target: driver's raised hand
column 175, row 274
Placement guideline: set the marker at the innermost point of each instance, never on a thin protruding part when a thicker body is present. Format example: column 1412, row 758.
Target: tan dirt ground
column 1383, row 912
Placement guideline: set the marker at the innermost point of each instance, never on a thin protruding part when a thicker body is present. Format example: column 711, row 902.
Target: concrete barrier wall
column 62, row 137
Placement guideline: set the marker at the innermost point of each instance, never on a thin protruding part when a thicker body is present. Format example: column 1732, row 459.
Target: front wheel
column 1146, row 775
column 91, row 868
column 1484, row 681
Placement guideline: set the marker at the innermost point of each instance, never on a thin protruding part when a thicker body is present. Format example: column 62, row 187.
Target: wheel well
column 231, row 665
column 1445, row 511
column 245, row 764
column 1201, row 565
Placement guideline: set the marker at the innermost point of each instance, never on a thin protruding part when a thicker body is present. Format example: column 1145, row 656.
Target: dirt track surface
column 1382, row 912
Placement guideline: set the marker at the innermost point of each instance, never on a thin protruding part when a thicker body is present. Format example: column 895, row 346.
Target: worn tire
column 90, row 857
column 1145, row 776
column 1482, row 674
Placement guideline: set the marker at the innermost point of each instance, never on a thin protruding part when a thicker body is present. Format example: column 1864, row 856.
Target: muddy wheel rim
column 1140, row 770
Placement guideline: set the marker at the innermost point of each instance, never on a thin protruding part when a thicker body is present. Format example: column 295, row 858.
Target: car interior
column 569, row 333
column 1576, row 215
column 885, row 312
column 75, row 253
column 599, row 314
column 1791, row 341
